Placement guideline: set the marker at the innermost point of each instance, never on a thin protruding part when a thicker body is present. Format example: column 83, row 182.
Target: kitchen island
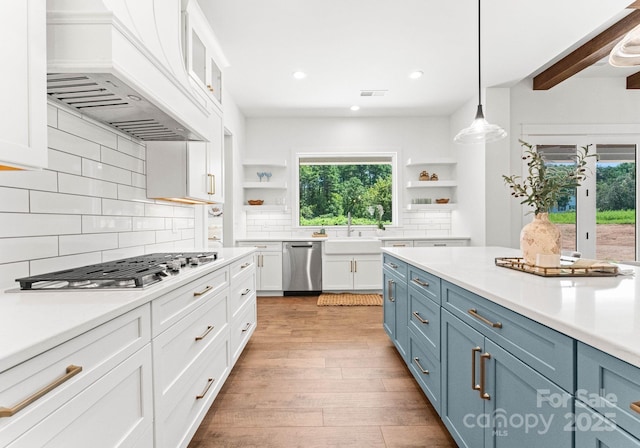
column 492, row 347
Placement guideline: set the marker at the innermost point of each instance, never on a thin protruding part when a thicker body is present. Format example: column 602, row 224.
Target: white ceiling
column 346, row 46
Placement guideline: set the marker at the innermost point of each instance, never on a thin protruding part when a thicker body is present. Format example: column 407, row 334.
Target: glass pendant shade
column 480, row 131
column 626, row 53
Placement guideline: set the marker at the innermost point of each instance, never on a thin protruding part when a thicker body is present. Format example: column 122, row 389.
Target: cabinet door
column 23, row 135
column 198, row 183
column 389, row 304
column 215, row 160
column 270, row 271
column 367, row 272
column 401, row 339
column 337, row 273
column 462, row 408
column 595, row 431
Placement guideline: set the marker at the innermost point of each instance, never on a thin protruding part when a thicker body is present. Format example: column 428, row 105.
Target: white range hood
column 121, row 62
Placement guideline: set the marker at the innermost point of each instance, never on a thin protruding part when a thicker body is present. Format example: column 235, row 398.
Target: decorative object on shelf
column 267, row 175
column 442, row 201
column 480, row 130
column 215, row 210
column 255, row 201
column 434, row 176
column 424, row 175
column 260, row 175
column 541, row 189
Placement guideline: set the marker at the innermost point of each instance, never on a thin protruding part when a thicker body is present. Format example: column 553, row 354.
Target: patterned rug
column 349, row 299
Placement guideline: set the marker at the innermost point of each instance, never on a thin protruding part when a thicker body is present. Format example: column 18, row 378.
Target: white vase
column 540, row 236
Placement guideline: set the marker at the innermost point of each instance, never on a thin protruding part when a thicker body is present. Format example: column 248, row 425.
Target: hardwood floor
column 320, row 377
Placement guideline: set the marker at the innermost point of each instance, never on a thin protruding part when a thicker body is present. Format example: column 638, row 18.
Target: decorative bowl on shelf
column 255, row 201
column 442, row 201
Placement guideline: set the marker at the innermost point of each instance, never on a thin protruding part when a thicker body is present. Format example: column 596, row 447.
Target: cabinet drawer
column 549, row 352
column 615, row 383
column 398, row 243
column 175, row 349
column 440, row 243
column 241, row 292
column 178, row 417
column 397, row 267
column 174, row 305
column 424, row 320
column 263, row 246
column 242, row 328
column 96, row 352
column 243, row 265
column 425, row 368
column 595, row 431
column 427, row 284
column 116, row 410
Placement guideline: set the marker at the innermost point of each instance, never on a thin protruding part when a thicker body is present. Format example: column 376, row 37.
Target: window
column 332, row 185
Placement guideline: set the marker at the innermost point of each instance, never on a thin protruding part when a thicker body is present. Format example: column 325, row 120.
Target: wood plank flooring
column 320, row 377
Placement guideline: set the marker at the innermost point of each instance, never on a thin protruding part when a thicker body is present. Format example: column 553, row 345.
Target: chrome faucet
column 349, row 224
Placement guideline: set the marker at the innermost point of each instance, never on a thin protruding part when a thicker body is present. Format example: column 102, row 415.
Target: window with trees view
column 332, row 186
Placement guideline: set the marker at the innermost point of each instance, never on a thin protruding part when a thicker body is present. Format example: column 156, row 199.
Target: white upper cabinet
column 23, row 132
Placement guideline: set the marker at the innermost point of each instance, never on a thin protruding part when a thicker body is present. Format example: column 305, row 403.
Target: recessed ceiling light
column 299, row 75
column 354, row 108
column 417, row 74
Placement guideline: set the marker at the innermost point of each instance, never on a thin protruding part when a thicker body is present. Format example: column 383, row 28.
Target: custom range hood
column 121, row 62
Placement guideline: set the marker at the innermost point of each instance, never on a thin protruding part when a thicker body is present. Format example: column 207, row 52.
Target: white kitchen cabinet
column 444, row 187
column 397, row 243
column 441, row 243
column 272, row 189
column 242, row 306
column 351, row 272
column 23, row 132
column 268, row 260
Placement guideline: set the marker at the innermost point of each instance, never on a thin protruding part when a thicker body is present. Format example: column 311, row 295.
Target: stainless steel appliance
column 301, row 267
column 126, row 273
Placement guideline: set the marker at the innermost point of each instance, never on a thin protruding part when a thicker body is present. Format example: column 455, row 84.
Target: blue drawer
column 424, row 320
column 549, row 352
column 425, row 368
column 426, row 283
column 595, row 431
column 397, row 267
column 609, row 386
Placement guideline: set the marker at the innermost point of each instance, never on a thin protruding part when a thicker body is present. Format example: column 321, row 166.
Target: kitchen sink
column 353, row 245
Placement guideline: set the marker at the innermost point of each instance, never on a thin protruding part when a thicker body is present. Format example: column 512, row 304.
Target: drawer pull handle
column 439, row 244
column 203, row 292
column 483, row 358
column 245, row 292
column 390, row 284
column 474, row 385
column 261, row 247
column 419, row 317
column 212, row 184
column 246, row 328
column 204, row 335
column 392, row 265
column 420, row 282
column 206, row 389
column 399, row 245
column 422, row 369
column 246, row 265
column 635, row 406
column 474, row 313
column 70, row 372
column 351, row 266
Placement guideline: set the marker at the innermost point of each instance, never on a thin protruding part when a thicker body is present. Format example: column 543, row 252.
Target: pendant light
column 480, row 131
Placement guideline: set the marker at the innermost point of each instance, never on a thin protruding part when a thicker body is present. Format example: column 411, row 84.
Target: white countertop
column 35, row 321
column 382, row 238
column 600, row 311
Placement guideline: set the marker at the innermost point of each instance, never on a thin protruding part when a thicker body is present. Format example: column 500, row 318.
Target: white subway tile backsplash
column 63, row 141
column 126, row 192
column 45, row 202
column 121, row 160
column 116, row 254
column 158, row 210
column 52, row 116
column 98, row 224
column 138, row 180
column 125, row 208
column 162, row 236
column 31, row 224
column 34, row 180
column 169, row 246
column 85, row 129
column 59, row 263
column 64, row 162
column 131, row 148
column 99, row 170
column 77, row 244
column 30, row 248
column 129, row 239
column 148, row 224
column 14, row 200
column 183, row 212
column 9, row 272
column 88, row 187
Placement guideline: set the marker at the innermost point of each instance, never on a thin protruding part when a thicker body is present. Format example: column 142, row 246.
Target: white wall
column 89, row 206
column 280, row 138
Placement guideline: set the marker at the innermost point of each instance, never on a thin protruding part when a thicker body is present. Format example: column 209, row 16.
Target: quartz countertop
column 34, row 321
column 382, row 238
column 603, row 312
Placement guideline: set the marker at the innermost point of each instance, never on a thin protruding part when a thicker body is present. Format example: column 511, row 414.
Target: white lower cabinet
column 268, row 260
column 242, row 308
column 351, row 272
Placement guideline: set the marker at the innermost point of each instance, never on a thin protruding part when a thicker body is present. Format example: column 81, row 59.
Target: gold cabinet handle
column 484, row 395
column 399, row 245
column 416, row 360
column 204, row 291
column 206, row 389
column 351, row 266
column 261, row 247
column 474, row 313
column 419, row 317
column 70, row 372
column 635, row 406
column 246, row 328
column 212, row 184
column 392, row 265
column 246, row 265
column 420, row 282
column 390, row 284
column 474, row 385
column 355, row 266
column 206, row 332
column 439, row 244
column 245, row 292
column 210, row 87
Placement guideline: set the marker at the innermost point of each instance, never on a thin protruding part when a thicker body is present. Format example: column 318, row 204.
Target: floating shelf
column 432, row 183
column 437, row 161
column 264, row 185
column 435, row 207
column 265, row 208
column 255, row 162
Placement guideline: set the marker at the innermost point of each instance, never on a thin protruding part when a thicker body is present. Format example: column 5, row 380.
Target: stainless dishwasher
column 301, row 267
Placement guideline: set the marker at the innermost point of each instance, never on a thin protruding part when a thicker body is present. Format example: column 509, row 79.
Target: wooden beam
column 586, row 55
column 633, row 81
column 634, row 5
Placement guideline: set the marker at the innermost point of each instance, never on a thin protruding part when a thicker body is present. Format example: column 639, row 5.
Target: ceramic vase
column 540, row 236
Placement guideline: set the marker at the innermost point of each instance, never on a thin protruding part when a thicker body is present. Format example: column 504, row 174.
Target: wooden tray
column 518, row 264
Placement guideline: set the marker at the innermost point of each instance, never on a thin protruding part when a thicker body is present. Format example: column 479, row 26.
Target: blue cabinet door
column 461, row 405
column 595, row 431
column 402, row 319
column 389, row 304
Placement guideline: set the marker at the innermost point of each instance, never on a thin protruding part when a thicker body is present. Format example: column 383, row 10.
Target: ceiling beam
column 587, row 54
column 634, row 5
column 633, row 81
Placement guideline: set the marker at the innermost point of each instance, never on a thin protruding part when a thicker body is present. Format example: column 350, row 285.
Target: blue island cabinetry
column 500, row 379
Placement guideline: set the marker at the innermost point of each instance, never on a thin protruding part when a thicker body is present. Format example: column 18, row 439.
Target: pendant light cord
column 479, row 60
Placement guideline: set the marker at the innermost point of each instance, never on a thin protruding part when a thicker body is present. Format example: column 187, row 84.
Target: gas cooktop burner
column 126, row 273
